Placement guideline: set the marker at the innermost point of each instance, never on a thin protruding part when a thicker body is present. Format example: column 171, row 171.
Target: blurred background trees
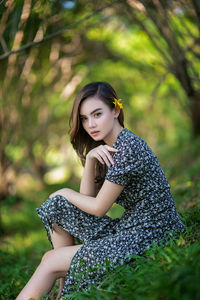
column 148, row 50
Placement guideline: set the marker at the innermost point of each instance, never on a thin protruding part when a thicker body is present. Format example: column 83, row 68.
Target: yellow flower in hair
column 117, row 102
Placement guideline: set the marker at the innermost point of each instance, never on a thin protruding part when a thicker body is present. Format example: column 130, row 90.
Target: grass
column 166, row 273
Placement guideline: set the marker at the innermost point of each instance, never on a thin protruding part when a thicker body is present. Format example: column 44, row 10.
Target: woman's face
column 97, row 118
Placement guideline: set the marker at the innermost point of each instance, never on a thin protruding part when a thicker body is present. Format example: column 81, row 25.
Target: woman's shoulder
column 129, row 140
column 129, row 157
column 131, row 146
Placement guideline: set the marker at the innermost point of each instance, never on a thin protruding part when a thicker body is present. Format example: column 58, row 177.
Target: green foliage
column 39, row 84
column 35, row 111
column 15, row 270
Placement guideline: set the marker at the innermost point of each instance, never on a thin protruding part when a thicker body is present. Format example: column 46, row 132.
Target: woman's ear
column 116, row 112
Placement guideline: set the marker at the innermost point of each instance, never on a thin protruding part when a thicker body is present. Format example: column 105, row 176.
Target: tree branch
column 180, row 62
column 155, row 90
column 197, row 11
column 3, row 44
column 9, row 4
column 151, row 36
column 55, row 34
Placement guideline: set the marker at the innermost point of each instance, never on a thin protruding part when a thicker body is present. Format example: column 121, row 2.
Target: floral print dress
column 150, row 215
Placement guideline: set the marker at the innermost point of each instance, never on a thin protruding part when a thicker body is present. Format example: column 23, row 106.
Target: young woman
column 118, row 167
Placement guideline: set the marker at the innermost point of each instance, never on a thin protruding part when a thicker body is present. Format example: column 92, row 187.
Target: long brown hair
column 79, row 138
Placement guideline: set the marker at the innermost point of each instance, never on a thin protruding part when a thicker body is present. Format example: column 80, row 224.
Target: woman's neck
column 111, row 139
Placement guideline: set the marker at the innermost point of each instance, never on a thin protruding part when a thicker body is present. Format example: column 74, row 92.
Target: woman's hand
column 102, row 154
column 61, row 192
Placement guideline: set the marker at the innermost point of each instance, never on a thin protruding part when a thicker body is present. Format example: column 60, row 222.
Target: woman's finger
column 104, row 157
column 109, row 148
column 97, row 156
column 108, row 156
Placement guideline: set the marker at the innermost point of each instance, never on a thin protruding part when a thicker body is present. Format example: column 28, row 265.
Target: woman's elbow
column 99, row 215
column 99, row 212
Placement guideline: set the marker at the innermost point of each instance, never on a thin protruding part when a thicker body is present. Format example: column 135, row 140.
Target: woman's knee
column 50, row 262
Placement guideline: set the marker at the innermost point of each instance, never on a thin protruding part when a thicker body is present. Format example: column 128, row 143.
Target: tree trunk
column 2, row 231
column 4, row 189
column 195, row 113
column 4, row 165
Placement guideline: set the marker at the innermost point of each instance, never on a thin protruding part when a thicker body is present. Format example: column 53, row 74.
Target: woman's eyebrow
column 92, row 111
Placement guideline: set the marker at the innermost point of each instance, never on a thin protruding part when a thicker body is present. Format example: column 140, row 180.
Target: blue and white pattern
column 150, row 215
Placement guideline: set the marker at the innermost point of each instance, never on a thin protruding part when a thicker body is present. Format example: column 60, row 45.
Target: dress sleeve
column 128, row 163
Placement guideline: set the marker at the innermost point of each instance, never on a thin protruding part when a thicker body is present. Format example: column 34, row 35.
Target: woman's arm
column 102, row 154
column 88, row 185
column 98, row 205
column 87, row 200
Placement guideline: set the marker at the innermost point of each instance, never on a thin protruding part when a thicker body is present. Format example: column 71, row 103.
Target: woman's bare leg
column 54, row 265
column 61, row 238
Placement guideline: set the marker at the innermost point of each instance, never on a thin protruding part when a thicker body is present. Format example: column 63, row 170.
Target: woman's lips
column 94, row 133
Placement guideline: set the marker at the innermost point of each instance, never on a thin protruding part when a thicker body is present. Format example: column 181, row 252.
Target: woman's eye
column 97, row 115
column 83, row 119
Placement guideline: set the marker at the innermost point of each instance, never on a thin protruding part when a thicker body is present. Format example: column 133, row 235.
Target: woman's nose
column 91, row 122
